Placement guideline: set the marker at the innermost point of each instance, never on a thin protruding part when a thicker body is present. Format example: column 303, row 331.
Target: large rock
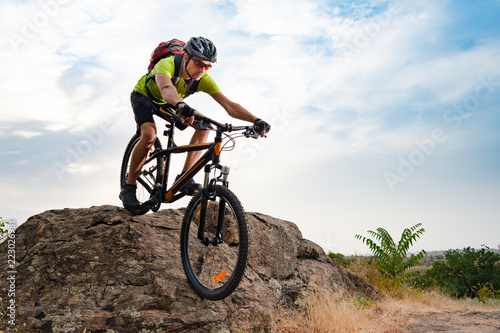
column 103, row 270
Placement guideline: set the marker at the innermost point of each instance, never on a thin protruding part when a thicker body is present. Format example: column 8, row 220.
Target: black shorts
column 144, row 108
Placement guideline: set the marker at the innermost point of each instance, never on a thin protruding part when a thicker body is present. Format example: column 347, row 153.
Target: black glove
column 260, row 125
column 184, row 110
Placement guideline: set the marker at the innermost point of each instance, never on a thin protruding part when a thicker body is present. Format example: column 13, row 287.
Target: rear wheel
column 151, row 173
column 214, row 270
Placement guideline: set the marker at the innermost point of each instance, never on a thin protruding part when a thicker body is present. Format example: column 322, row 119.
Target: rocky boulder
column 103, row 270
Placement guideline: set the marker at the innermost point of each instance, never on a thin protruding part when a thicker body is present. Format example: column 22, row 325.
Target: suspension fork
column 222, row 203
column 206, row 193
column 220, row 220
column 203, row 214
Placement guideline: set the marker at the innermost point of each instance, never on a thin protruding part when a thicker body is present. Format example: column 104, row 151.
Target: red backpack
column 173, row 47
column 166, row 49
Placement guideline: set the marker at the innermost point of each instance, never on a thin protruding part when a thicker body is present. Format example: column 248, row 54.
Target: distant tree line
column 465, row 273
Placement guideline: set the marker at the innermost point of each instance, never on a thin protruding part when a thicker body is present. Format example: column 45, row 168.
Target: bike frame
column 213, row 150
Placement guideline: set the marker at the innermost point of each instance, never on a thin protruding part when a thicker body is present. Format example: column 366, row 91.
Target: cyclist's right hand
column 186, row 112
column 261, row 127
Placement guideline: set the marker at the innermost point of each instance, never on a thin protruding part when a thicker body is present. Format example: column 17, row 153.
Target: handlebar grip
column 177, row 119
column 251, row 132
column 171, row 114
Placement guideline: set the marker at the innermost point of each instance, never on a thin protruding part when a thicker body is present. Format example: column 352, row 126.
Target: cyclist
column 199, row 55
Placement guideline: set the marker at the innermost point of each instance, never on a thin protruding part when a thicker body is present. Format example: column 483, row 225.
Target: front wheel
column 215, row 269
column 151, row 173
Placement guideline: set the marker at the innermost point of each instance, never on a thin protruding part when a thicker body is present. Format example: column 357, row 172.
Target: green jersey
column 166, row 66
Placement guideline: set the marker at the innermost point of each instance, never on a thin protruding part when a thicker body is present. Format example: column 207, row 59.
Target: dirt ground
column 455, row 322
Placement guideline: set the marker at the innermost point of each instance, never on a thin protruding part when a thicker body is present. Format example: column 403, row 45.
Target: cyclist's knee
column 199, row 136
column 149, row 139
column 202, row 135
column 148, row 133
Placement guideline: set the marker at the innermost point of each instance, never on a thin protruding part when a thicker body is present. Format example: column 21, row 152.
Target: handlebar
column 248, row 131
column 171, row 116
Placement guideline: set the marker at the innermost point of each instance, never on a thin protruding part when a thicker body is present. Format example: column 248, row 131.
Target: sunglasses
column 200, row 63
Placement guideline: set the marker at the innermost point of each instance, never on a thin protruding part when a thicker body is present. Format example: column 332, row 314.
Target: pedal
column 190, row 193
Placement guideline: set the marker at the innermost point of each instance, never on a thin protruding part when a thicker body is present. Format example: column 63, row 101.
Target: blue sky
column 384, row 113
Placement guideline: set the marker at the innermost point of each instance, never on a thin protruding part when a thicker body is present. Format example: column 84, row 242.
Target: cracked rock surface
column 101, row 269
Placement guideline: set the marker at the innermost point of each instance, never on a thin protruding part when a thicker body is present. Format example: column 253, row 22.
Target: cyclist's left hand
column 261, row 127
column 187, row 120
column 185, row 112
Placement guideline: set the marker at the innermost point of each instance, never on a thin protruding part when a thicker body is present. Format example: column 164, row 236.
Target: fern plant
column 392, row 259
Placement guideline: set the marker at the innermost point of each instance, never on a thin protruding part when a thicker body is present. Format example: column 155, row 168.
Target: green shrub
column 391, row 258
column 465, row 273
column 485, row 293
column 339, row 258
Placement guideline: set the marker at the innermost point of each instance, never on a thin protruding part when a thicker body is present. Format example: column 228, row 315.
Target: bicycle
column 214, row 235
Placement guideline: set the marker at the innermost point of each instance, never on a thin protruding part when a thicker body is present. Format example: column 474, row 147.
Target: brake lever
column 202, row 123
column 250, row 132
column 172, row 115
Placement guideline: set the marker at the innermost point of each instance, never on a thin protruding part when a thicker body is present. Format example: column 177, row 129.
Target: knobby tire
column 151, row 172
column 214, row 271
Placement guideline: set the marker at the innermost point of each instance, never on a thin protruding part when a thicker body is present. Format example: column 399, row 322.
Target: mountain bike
column 214, row 234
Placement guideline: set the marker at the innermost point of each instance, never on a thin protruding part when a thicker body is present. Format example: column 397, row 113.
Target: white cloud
column 26, row 134
column 298, row 18
column 11, row 152
column 347, row 87
column 83, row 168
